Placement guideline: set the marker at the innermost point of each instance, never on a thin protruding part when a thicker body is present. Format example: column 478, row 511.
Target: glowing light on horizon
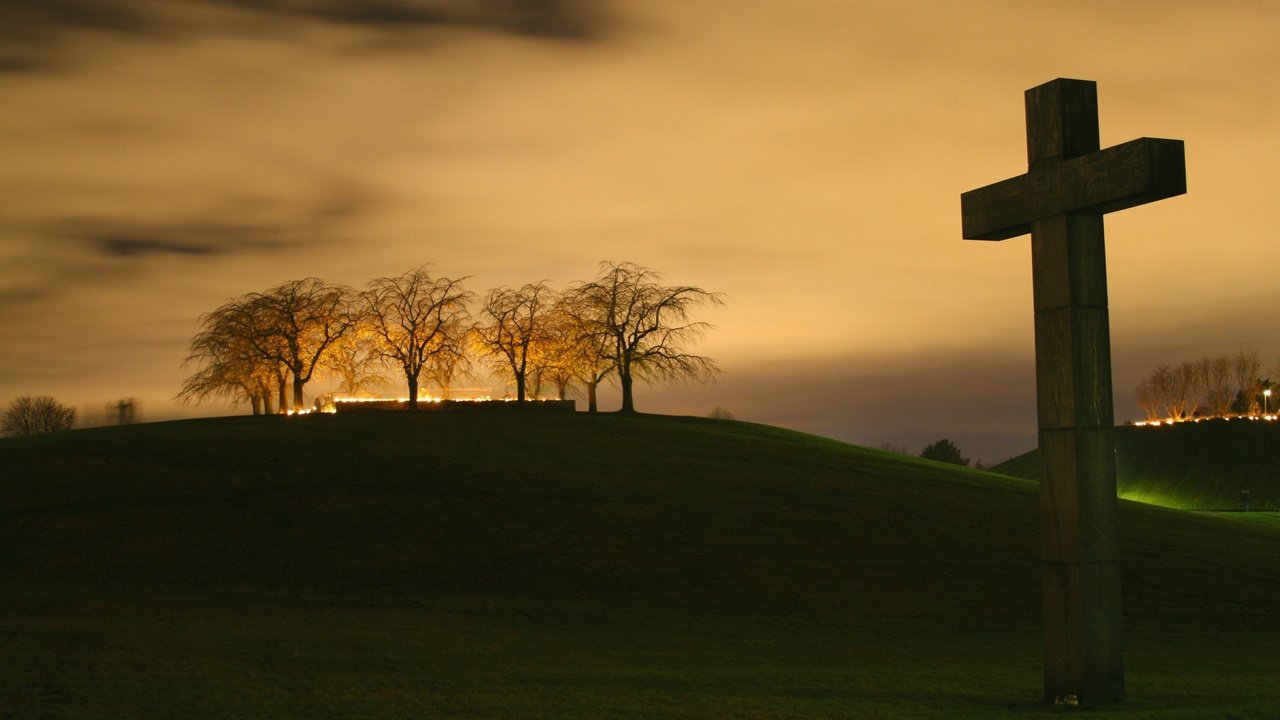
column 1172, row 421
column 329, row 405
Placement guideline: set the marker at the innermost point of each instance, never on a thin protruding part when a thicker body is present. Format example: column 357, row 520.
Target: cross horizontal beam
column 1119, row 177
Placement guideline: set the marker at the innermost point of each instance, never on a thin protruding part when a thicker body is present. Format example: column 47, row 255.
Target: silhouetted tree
column 1150, row 398
column 123, row 412
column 35, row 415
column 260, row 339
column 354, row 360
column 1184, row 390
column 944, row 451
column 298, row 322
column 645, row 326
column 513, row 323
column 451, row 362
column 588, row 344
column 416, row 318
column 719, row 413
column 235, row 360
column 1245, row 368
column 1215, row 374
column 1211, row 386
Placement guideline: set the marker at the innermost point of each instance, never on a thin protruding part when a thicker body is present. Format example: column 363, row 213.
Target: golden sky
column 805, row 158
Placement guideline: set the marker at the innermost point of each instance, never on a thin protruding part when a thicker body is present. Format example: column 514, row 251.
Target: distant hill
column 566, row 565
column 1194, row 466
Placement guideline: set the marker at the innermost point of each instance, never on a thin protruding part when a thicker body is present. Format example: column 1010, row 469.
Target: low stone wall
column 458, row 406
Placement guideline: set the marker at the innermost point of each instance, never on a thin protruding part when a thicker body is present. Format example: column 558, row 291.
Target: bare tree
column 720, row 413
column 646, row 326
column 416, row 318
column 450, row 363
column 36, row 415
column 297, row 323
column 1159, row 391
column 1150, row 398
column 235, row 359
column 1245, row 368
column 123, row 412
column 512, row 325
column 588, row 344
column 354, row 361
column 555, row 349
column 1215, row 375
column 1183, row 390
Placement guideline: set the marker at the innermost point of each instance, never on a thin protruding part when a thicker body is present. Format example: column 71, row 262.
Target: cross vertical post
column 1069, row 185
column 1080, row 560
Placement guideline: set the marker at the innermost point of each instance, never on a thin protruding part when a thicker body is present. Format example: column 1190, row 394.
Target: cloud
column 47, row 260
column 33, row 33
column 562, row 19
column 123, row 15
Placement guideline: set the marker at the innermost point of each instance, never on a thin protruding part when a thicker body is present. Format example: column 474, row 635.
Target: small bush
column 719, row 413
column 944, row 451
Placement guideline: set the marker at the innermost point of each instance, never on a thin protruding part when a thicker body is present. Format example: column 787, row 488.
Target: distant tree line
column 1223, row 386
column 625, row 325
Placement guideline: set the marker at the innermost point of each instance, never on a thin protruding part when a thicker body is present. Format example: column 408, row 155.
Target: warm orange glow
column 329, row 405
column 1171, row 421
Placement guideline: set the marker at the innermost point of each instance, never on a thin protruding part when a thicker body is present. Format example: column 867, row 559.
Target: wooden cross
column 1069, row 185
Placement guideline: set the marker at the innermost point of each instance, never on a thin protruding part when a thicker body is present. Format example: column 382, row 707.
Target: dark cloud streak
column 32, row 31
column 126, row 246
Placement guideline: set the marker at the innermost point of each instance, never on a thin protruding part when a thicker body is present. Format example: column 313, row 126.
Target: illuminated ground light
column 329, row 405
column 1174, row 421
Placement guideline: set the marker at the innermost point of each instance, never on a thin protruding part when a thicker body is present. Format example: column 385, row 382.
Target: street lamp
column 1265, row 394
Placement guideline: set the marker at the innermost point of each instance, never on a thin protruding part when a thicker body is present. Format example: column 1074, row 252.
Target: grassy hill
column 1193, row 466
column 549, row 565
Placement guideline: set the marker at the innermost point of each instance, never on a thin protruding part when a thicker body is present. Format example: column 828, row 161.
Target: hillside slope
column 573, row 566
column 1193, row 466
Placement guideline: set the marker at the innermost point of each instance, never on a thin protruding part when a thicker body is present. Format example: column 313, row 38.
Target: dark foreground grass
column 572, row 566
column 1192, row 466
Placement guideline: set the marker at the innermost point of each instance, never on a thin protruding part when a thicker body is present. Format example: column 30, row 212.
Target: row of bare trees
column 1211, row 387
column 625, row 325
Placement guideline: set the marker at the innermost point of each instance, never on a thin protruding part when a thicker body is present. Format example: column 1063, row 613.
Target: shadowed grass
column 1193, row 466
column 434, row 565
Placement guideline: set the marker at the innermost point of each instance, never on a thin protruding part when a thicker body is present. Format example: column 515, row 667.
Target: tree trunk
column 256, row 401
column 591, row 396
column 628, row 405
column 283, row 404
column 413, row 391
column 297, row 393
column 265, row 396
column 520, row 389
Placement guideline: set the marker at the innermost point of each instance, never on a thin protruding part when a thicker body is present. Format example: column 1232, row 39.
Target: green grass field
column 1191, row 466
column 572, row 566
